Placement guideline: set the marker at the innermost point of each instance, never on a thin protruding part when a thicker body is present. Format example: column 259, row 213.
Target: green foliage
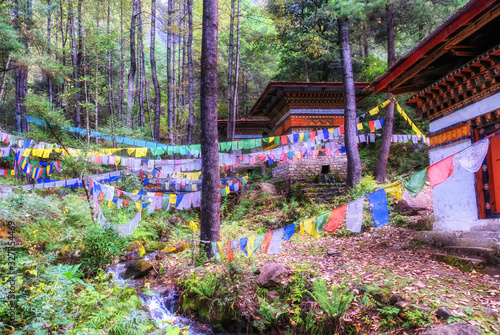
column 130, row 182
column 333, row 302
column 100, row 245
column 367, row 185
column 271, row 314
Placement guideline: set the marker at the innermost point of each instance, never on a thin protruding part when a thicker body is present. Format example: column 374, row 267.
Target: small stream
column 161, row 307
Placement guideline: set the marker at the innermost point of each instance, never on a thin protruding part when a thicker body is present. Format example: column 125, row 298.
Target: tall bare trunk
column 156, row 134
column 210, row 197
column 110, row 75
column 383, row 155
column 131, row 74
column 74, row 63
column 353, row 160
column 96, row 101
column 122, row 66
column 142, row 74
column 49, row 51
column 230, row 118
column 4, row 78
column 169, row 72
column 190, row 72
column 235, row 107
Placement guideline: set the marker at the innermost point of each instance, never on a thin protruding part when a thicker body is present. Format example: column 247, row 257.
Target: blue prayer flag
column 288, row 231
column 378, row 206
column 179, row 199
column 295, row 138
column 243, row 245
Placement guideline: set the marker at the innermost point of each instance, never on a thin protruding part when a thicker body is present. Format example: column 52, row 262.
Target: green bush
column 100, row 245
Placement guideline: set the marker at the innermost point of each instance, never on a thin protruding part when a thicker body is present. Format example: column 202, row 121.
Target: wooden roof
column 328, row 93
column 470, row 32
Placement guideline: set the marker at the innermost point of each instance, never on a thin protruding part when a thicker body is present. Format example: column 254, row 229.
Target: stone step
column 487, row 254
column 493, row 227
column 476, row 242
column 483, row 235
column 464, row 263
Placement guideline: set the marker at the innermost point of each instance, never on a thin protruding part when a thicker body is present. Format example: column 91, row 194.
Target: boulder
column 272, row 274
column 456, row 328
column 155, row 246
column 268, row 188
column 141, row 252
column 412, row 206
column 161, row 290
column 137, row 269
column 444, row 313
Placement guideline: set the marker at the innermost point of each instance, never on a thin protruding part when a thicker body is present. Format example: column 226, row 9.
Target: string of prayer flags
column 395, row 190
column 354, row 215
column 337, row 215
column 378, row 207
column 229, row 251
column 440, row 171
column 253, row 244
column 472, row 158
column 416, row 182
column 310, row 227
column 7, row 172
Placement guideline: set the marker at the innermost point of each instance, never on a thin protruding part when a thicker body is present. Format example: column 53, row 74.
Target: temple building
column 454, row 78
column 289, row 107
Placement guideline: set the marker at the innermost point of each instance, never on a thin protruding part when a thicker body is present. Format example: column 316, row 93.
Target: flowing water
column 161, row 307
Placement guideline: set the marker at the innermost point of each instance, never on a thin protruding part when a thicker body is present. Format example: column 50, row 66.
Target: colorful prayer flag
column 440, row 171
column 337, row 215
column 379, row 209
column 416, row 182
column 354, row 215
column 394, row 189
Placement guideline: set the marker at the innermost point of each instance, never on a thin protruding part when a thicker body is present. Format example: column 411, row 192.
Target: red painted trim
column 463, row 16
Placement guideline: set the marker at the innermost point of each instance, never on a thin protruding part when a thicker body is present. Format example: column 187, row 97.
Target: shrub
column 100, row 245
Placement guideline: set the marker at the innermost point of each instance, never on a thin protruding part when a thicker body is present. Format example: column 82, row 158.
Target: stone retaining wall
column 295, row 170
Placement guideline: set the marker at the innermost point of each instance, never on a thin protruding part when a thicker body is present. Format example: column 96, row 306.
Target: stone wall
column 301, row 169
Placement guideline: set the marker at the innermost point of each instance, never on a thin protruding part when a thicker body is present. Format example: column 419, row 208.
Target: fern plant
column 335, row 304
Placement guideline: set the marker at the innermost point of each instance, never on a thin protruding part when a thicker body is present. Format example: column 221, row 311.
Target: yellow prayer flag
column 301, row 137
column 46, row 153
column 250, row 242
column 12, row 172
column 271, row 139
column 373, row 111
column 360, row 126
column 395, row 190
column 138, row 205
column 228, row 190
column 130, row 151
column 37, row 152
column 385, row 103
column 173, row 199
column 117, row 160
column 221, row 249
column 110, row 203
column 26, row 153
column 310, row 227
column 302, row 229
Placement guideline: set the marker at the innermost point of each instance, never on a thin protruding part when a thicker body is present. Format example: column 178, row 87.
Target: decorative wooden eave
column 279, row 97
column 468, row 33
column 475, row 80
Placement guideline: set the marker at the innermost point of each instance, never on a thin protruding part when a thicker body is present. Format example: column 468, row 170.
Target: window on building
column 325, row 169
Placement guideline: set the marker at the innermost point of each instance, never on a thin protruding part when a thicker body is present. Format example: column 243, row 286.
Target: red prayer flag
column 125, row 202
column 341, row 128
column 337, row 215
column 371, row 124
column 440, row 171
column 284, row 139
column 267, row 241
column 312, row 135
column 230, row 253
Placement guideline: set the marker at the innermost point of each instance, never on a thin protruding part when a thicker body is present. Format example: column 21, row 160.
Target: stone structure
column 295, row 170
column 454, row 74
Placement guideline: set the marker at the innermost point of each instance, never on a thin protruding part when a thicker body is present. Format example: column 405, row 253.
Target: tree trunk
column 96, row 125
column 190, row 73
column 235, row 108
column 353, row 160
column 383, row 154
column 210, row 197
column 110, row 75
column 156, row 134
column 131, row 74
column 169, row 73
column 49, row 51
column 174, row 85
column 230, row 122
column 140, row 94
column 21, row 90
column 122, row 66
column 4, row 79
column 74, row 63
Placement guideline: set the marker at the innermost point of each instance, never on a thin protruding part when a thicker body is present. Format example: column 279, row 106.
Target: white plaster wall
column 467, row 112
column 455, row 203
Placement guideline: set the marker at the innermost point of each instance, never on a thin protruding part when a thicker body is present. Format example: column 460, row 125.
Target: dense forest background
column 133, row 66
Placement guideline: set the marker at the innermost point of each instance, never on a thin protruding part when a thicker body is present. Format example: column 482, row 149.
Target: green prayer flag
column 277, row 141
column 306, row 137
column 257, row 242
column 215, row 249
column 223, row 191
column 241, row 145
column 246, row 144
column 320, row 222
column 176, row 149
column 170, row 150
column 415, row 183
